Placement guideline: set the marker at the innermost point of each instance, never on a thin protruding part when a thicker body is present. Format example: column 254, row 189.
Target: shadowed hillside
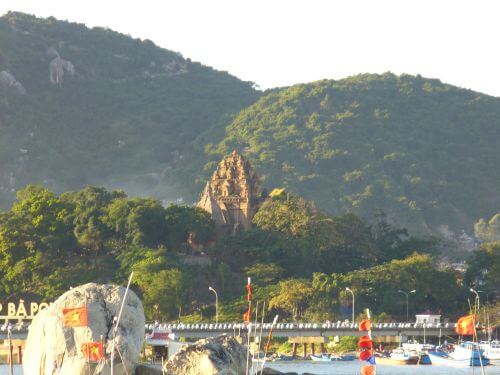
column 123, row 113
column 424, row 152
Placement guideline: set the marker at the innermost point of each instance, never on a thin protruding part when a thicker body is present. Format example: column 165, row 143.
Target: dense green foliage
column 300, row 259
column 144, row 119
column 134, row 116
column 424, row 152
column 50, row 242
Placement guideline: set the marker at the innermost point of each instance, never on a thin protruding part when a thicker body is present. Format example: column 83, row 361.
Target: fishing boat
column 321, row 358
column 491, row 350
column 464, row 355
column 398, row 356
column 330, row 358
column 420, row 350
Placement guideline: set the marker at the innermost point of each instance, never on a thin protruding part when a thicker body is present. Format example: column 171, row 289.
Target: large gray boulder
column 50, row 346
column 221, row 355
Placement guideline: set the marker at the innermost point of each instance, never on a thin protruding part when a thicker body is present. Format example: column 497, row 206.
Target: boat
column 321, row 358
column 344, row 357
column 491, row 350
column 398, row 356
column 420, row 350
column 329, row 358
column 464, row 355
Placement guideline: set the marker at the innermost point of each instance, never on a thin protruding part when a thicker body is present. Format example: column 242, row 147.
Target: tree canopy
column 422, row 151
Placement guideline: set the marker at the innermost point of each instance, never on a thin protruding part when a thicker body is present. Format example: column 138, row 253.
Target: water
column 4, row 370
column 354, row 368
column 347, row 368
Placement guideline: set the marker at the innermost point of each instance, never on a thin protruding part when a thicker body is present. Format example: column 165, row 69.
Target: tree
column 488, row 231
column 188, row 224
column 483, row 268
column 293, row 297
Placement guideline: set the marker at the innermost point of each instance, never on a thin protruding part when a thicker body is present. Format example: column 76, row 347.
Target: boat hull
column 442, row 359
column 393, row 361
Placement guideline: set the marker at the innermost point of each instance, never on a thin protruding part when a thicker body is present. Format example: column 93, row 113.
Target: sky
column 282, row 42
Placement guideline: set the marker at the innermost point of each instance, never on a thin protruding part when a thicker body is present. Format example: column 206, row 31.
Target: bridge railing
column 293, row 326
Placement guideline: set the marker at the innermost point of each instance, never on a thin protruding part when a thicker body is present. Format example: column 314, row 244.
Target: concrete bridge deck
column 201, row 330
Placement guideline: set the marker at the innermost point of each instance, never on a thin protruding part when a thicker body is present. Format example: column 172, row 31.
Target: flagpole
column 249, row 325
column 474, row 337
column 118, row 322
column 261, row 325
column 9, row 335
column 255, row 328
column 269, row 336
column 371, row 339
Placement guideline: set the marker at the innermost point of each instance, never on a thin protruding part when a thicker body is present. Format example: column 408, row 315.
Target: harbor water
column 354, row 368
column 346, row 368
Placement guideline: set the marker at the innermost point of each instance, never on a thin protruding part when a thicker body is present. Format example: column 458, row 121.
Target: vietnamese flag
column 75, row 317
column 93, row 351
column 368, row 370
column 365, row 342
column 466, row 325
column 365, row 325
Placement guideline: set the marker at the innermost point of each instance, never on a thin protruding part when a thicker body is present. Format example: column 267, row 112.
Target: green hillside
column 424, row 152
column 133, row 115
column 141, row 118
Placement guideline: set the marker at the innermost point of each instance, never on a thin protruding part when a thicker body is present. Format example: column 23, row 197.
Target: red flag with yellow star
column 466, row 324
column 93, row 351
column 75, row 317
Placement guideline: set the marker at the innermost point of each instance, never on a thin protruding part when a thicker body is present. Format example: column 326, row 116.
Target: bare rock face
column 52, row 348
column 221, row 355
column 57, row 67
column 8, row 83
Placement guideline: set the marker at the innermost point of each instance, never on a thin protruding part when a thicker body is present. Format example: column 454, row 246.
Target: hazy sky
column 282, row 42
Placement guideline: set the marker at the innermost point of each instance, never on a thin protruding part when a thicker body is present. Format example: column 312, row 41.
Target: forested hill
column 127, row 113
column 424, row 152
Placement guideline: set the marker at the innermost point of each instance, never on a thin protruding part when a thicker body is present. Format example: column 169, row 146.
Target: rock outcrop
column 221, row 355
column 51, row 345
column 10, row 84
column 57, row 67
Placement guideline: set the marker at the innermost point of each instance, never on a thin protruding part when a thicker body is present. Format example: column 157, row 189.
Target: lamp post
column 349, row 290
column 216, row 304
column 407, row 294
column 476, row 302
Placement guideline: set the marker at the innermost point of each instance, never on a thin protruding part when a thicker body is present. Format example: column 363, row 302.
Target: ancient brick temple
column 231, row 195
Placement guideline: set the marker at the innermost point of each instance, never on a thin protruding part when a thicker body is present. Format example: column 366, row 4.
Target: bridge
column 202, row 330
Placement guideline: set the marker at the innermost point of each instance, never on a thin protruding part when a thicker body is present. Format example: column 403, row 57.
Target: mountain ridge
column 135, row 116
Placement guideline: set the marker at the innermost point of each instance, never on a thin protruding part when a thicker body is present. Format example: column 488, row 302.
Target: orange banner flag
column 75, row 317
column 249, row 292
column 368, row 370
column 365, row 342
column 93, row 351
column 466, row 324
column 365, row 325
column 246, row 317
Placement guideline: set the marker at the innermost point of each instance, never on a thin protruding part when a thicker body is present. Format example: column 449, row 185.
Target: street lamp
column 216, row 304
column 407, row 294
column 476, row 303
column 349, row 290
